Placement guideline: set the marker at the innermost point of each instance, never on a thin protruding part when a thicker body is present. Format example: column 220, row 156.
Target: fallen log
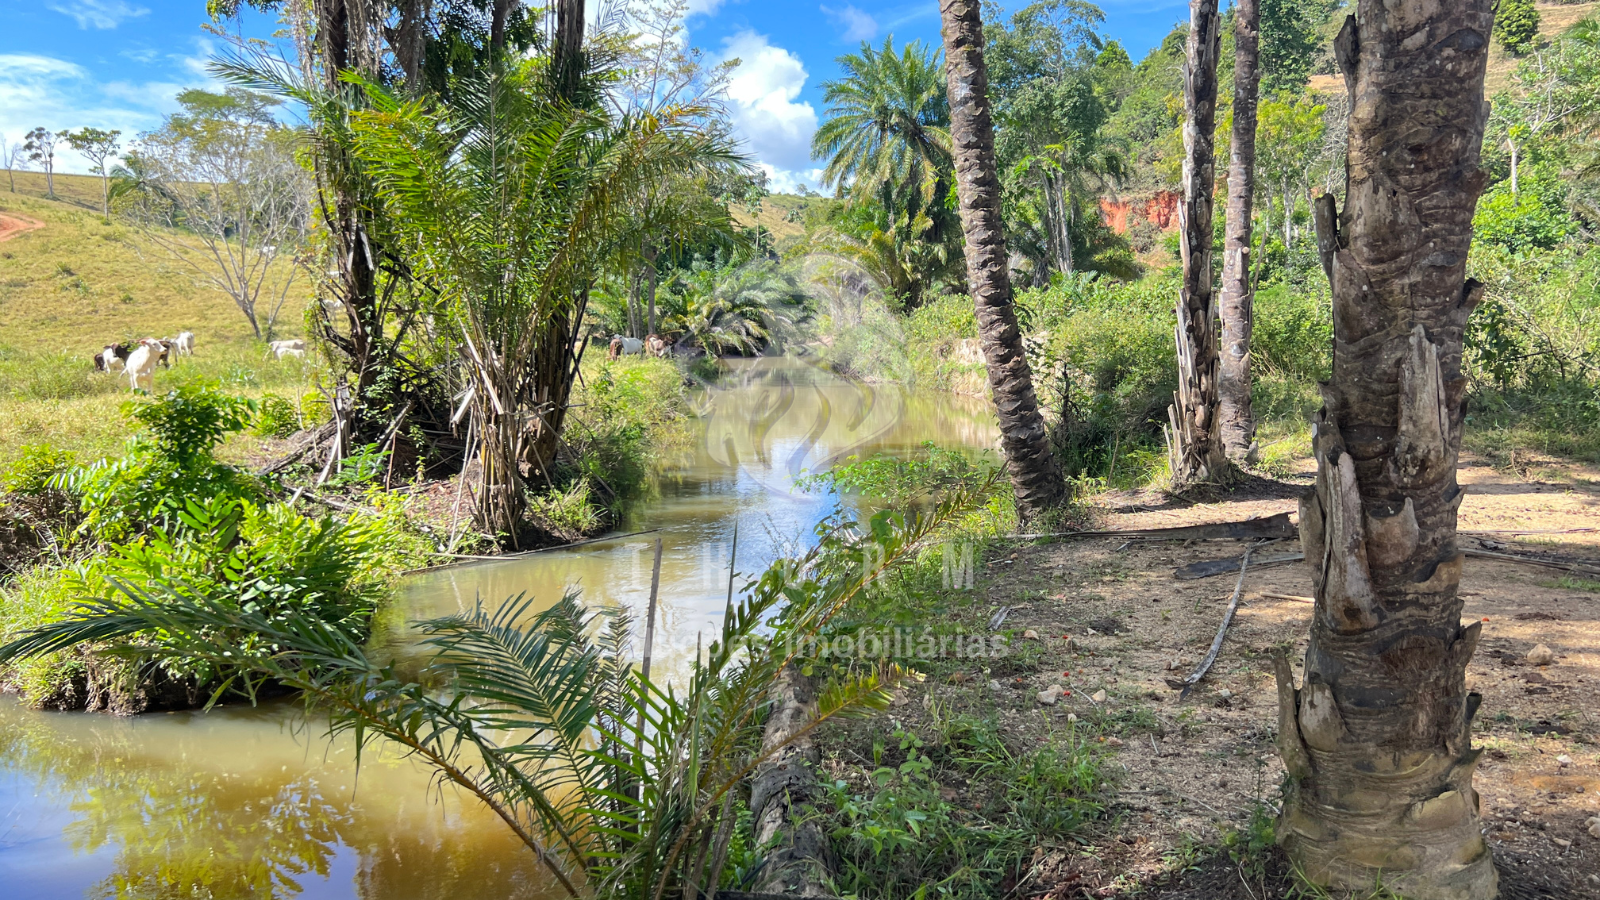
column 1212, row 567
column 796, row 865
column 1260, row 528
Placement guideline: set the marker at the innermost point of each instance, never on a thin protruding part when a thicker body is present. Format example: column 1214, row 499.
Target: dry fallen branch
column 1188, row 683
column 1260, row 528
column 1212, row 567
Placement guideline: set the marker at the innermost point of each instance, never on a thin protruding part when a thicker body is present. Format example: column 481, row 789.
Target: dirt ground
column 1109, row 612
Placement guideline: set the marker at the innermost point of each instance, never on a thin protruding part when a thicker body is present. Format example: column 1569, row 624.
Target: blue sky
column 120, row 63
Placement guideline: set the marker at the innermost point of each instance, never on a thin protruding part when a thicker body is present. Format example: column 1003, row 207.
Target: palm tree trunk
column 1377, row 743
column 1195, row 446
column 1237, row 307
column 1035, row 475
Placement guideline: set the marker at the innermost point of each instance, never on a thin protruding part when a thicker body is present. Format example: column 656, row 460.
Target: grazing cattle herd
column 621, row 346
column 138, row 359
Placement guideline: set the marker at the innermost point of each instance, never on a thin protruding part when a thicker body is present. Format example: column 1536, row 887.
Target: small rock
column 1113, row 742
column 1541, row 655
column 1563, row 843
column 1072, row 717
column 1050, row 695
column 1030, row 635
column 994, row 685
column 1594, row 827
column 1224, row 694
column 1563, row 760
column 1099, row 696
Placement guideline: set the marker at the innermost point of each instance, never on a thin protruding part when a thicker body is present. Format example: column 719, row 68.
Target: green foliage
column 1516, row 25
column 263, row 559
column 34, row 471
column 277, row 418
column 897, row 835
column 604, row 775
column 1531, row 218
column 569, row 514
column 169, row 463
column 628, row 417
column 1289, row 39
column 898, row 479
column 739, row 309
column 1533, row 352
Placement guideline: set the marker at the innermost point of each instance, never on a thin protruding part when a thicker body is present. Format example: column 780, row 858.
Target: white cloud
column 856, row 25
column 100, row 14
column 762, row 95
column 783, row 181
column 42, row 91
column 703, row 7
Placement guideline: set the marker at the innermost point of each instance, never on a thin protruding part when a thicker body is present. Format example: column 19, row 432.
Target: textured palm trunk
column 1193, row 439
column 1035, row 475
column 1233, row 378
column 1377, row 742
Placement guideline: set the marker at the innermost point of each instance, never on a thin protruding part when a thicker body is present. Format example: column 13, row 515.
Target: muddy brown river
column 255, row 803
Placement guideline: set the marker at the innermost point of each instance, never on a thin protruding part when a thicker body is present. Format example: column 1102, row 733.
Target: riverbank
column 1185, row 788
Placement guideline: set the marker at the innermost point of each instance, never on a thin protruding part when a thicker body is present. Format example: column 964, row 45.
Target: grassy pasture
column 77, row 284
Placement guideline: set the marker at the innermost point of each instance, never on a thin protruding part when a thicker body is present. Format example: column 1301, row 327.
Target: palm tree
column 1035, row 475
column 1377, row 742
column 1078, row 166
column 738, row 310
column 887, row 122
column 906, row 249
column 886, row 135
column 505, row 202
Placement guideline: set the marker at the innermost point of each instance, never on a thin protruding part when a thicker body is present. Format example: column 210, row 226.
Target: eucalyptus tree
column 1036, row 478
column 1377, row 741
column 505, row 202
column 98, row 146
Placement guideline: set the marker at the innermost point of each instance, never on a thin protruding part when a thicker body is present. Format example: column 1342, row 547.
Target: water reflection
column 231, row 804
column 234, row 804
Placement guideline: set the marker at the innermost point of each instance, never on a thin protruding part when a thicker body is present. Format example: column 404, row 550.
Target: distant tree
column 1289, row 40
column 224, row 172
column 12, row 155
column 41, row 148
column 99, row 147
column 1516, row 25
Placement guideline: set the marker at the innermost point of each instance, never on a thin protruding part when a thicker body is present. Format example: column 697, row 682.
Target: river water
column 243, row 802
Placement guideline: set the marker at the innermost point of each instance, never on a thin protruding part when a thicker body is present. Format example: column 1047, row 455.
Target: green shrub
column 33, row 472
column 898, row 834
column 1292, row 334
column 1531, row 219
column 278, row 417
column 625, row 417
column 1516, row 25
column 170, row 463
column 254, row 557
column 568, row 514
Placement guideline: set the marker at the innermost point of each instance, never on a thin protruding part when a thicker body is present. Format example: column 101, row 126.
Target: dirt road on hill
column 12, row 225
